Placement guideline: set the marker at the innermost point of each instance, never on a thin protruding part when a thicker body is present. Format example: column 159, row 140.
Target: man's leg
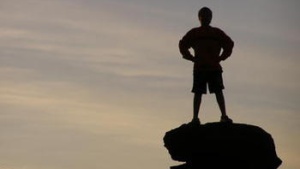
column 221, row 103
column 197, row 103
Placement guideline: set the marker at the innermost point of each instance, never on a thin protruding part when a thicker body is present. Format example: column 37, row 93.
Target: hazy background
column 97, row 83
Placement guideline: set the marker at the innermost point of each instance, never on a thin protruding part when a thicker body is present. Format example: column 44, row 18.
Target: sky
column 97, row 83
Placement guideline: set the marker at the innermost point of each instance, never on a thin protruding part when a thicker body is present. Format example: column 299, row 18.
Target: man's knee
column 218, row 92
column 198, row 94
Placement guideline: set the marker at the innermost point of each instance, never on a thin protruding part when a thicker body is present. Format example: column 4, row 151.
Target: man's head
column 205, row 16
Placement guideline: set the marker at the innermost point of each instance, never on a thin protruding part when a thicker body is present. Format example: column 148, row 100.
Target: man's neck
column 205, row 26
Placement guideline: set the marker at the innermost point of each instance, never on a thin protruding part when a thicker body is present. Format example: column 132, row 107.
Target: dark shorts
column 212, row 78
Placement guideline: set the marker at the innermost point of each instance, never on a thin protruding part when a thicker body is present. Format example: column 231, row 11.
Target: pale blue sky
column 96, row 84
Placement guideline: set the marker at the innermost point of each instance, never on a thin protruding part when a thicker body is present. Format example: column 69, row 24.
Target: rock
column 222, row 145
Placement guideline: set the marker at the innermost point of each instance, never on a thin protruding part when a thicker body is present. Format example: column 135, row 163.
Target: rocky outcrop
column 221, row 146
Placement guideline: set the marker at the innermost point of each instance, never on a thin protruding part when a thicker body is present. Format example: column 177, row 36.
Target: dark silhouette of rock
column 221, row 146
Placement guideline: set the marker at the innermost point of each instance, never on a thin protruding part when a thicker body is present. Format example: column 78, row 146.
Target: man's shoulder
column 205, row 31
column 210, row 28
column 217, row 30
column 193, row 30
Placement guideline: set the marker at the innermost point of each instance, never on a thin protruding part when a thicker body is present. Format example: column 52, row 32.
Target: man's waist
column 209, row 67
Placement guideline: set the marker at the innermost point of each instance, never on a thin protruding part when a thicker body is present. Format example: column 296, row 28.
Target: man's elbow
column 231, row 44
column 186, row 57
column 181, row 45
column 228, row 49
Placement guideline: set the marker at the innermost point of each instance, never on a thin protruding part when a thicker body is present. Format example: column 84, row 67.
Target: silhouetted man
column 207, row 43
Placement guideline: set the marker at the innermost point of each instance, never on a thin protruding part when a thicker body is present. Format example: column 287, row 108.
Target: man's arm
column 185, row 45
column 227, row 45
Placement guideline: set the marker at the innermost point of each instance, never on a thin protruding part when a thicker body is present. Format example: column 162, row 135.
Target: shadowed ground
column 222, row 145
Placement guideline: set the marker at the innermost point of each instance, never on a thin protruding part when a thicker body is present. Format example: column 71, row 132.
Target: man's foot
column 195, row 121
column 225, row 119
